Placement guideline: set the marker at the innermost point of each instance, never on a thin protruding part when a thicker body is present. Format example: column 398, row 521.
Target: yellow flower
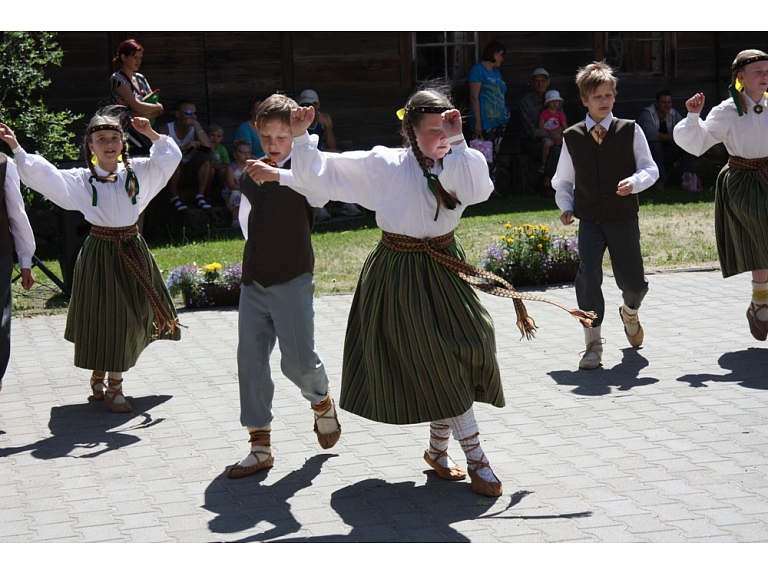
column 508, row 226
column 214, row 267
column 545, row 228
column 545, row 238
column 510, row 240
column 538, row 246
column 502, row 238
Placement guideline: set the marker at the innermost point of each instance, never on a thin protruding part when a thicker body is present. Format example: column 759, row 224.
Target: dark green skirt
column 419, row 345
column 741, row 221
column 110, row 316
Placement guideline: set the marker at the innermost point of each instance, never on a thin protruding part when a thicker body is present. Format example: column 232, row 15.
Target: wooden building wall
column 363, row 77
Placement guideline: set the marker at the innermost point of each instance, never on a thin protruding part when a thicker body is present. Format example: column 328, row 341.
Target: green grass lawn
column 676, row 226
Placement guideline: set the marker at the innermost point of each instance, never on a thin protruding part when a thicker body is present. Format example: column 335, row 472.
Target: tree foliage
column 24, row 59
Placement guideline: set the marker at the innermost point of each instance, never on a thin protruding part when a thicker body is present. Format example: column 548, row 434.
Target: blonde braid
column 129, row 182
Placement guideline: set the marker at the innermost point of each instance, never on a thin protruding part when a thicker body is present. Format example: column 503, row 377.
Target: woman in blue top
column 247, row 130
column 486, row 94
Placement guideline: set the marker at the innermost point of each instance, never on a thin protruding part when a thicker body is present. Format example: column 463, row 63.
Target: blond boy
column 605, row 162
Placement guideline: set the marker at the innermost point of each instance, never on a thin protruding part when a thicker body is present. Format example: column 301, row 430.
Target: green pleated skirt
column 110, row 317
column 419, row 345
column 741, row 221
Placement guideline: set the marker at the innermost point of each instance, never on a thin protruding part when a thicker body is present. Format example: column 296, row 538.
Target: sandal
column 758, row 328
column 454, row 473
column 98, row 380
column 115, row 389
column 258, row 438
column 178, row 205
column 202, row 203
column 326, row 440
column 480, row 485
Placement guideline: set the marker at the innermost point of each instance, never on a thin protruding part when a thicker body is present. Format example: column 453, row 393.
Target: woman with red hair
column 129, row 88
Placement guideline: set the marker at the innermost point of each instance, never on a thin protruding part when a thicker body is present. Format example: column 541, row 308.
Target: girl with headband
column 741, row 193
column 420, row 347
column 119, row 301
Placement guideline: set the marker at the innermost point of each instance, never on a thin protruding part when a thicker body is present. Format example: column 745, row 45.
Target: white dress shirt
column 391, row 183
column 646, row 172
column 744, row 136
column 71, row 190
column 23, row 238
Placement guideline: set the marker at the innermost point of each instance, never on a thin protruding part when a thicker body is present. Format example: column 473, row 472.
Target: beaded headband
column 737, row 65
column 100, row 127
column 422, row 110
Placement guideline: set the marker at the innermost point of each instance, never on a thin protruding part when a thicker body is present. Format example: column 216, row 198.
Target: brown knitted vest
column 279, row 245
column 6, row 239
column 599, row 169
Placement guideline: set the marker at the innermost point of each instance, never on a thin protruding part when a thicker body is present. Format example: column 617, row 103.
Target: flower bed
column 529, row 255
column 211, row 285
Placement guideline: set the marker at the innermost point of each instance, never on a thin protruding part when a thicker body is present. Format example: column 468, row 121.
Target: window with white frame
column 444, row 54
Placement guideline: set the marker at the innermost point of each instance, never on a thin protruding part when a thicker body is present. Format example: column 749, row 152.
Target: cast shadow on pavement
column 747, row 368
column 87, row 426
column 241, row 504
column 593, row 382
column 378, row 511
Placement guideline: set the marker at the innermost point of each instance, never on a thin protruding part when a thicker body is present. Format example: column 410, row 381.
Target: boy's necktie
column 598, row 133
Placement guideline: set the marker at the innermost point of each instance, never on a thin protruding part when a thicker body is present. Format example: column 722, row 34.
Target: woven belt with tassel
column 758, row 164
column 480, row 279
column 137, row 264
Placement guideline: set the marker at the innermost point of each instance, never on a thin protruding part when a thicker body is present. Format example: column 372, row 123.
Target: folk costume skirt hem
column 419, row 345
column 741, row 221
column 110, row 316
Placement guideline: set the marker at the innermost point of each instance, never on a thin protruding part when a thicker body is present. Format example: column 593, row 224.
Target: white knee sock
column 115, row 382
column 260, row 451
column 466, row 432
column 631, row 326
column 439, row 436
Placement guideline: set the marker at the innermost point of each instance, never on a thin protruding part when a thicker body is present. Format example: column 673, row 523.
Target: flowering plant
column 526, row 253
column 196, row 283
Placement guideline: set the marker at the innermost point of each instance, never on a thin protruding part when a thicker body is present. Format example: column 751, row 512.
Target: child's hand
column 27, row 278
column 7, row 136
column 625, row 187
column 301, row 119
column 142, row 126
column 566, row 218
column 261, row 172
column 452, row 122
column 695, row 104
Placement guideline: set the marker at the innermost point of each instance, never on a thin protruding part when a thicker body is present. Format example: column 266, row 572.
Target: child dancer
column 419, row 345
column 276, row 295
column 551, row 118
column 741, row 195
column 605, row 162
column 119, row 301
column 15, row 235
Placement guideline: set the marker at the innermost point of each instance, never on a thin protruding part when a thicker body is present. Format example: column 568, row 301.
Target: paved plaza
column 666, row 443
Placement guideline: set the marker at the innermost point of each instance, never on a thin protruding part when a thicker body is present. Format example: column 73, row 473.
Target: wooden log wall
column 362, row 78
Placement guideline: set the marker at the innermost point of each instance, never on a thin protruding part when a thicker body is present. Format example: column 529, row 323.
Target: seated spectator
column 552, row 121
column 195, row 167
column 219, row 156
column 241, row 151
column 323, row 129
column 247, row 130
column 532, row 138
column 658, row 121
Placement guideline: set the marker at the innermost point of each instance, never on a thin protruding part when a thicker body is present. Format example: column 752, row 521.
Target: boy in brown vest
column 276, row 296
column 604, row 162
column 15, row 233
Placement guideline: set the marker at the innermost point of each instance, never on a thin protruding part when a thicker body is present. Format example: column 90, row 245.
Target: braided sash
column 758, row 164
column 137, row 264
column 480, row 279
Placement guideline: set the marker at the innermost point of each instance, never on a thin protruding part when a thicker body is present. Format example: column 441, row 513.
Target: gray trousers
column 281, row 312
column 623, row 242
column 6, row 300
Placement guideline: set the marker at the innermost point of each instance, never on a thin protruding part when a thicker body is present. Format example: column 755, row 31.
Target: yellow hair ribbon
column 94, row 160
column 400, row 114
column 738, row 85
